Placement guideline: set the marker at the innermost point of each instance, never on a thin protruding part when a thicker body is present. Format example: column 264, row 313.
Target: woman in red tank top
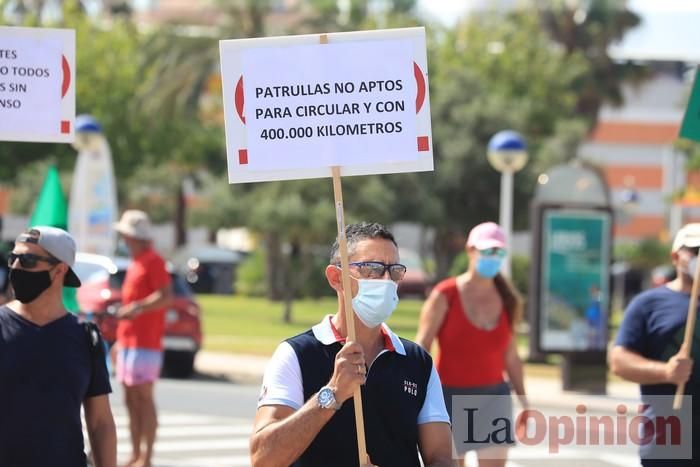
column 473, row 316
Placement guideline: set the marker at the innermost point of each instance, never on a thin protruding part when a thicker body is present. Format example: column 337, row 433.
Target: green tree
column 177, row 69
column 295, row 221
column 107, row 76
column 589, row 28
column 114, row 68
column 489, row 73
column 292, row 218
column 178, row 65
column 28, row 185
column 647, row 254
column 333, row 16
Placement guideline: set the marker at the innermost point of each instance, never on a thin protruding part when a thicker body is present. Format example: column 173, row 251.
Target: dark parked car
column 100, row 295
column 208, row 268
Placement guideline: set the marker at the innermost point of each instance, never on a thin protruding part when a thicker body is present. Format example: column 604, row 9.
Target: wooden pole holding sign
column 347, row 296
column 279, row 126
column 690, row 129
column 349, row 316
column 689, row 331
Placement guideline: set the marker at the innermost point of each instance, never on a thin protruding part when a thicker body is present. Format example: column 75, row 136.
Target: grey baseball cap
column 58, row 243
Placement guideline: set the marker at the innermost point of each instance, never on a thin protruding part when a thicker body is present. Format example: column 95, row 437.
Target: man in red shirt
column 146, row 293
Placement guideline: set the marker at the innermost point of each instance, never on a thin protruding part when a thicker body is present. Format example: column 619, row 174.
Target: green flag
column 52, row 209
column 691, row 122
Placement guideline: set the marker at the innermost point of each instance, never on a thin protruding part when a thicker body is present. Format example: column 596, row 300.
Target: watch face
column 325, row 397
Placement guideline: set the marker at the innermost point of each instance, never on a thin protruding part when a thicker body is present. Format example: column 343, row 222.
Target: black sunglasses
column 376, row 270
column 29, row 260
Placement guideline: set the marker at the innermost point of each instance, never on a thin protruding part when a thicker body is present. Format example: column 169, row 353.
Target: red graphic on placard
column 420, row 86
column 65, row 127
column 66, row 76
column 423, row 144
column 239, row 99
column 243, row 156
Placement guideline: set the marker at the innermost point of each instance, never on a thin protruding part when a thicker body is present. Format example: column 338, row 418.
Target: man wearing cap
column 50, row 364
column 146, row 293
column 648, row 344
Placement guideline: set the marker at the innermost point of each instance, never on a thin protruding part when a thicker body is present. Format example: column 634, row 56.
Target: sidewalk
column 546, row 392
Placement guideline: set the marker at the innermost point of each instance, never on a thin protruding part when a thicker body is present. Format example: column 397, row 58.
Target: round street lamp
column 507, row 153
column 88, row 134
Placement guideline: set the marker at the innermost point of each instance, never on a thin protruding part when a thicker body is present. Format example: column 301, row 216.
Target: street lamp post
column 507, row 153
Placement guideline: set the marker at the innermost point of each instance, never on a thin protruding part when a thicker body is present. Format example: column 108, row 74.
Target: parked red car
column 100, row 295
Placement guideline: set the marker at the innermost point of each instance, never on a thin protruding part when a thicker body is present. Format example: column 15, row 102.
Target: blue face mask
column 488, row 266
column 375, row 301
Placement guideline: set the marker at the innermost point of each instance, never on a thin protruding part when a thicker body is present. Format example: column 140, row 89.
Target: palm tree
column 589, row 27
column 179, row 69
column 181, row 60
column 178, row 66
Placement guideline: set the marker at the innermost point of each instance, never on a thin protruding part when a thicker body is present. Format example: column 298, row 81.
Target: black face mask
column 28, row 285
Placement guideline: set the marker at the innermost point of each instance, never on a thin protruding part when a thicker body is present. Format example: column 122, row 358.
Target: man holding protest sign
column 649, row 351
column 304, row 417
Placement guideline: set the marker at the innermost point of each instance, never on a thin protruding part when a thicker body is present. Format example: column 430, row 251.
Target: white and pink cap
column 486, row 235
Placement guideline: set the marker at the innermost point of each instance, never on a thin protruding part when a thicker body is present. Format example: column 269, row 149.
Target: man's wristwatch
column 326, row 399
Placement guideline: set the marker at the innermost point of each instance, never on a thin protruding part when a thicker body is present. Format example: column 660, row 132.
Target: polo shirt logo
column 410, row 387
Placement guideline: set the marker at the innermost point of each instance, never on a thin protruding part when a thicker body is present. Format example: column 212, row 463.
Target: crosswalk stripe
column 473, row 460
column 194, row 430
column 180, row 446
column 191, row 440
column 230, row 461
column 564, row 454
column 615, row 459
column 179, row 419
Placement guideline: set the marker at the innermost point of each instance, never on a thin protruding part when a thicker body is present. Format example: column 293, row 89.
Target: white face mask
column 692, row 265
column 375, row 301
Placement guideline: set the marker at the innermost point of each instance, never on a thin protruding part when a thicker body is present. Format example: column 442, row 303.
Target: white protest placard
column 37, row 84
column 294, row 107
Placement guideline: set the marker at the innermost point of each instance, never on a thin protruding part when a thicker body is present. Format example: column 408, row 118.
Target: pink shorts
column 138, row 366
